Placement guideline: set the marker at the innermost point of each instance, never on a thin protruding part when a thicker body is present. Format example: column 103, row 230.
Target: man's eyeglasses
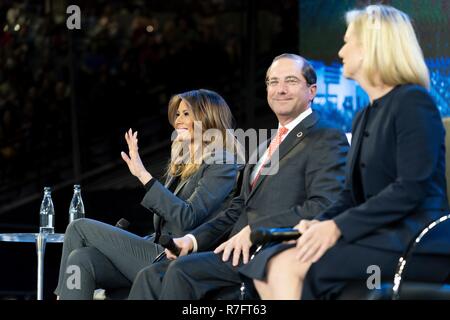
column 288, row 81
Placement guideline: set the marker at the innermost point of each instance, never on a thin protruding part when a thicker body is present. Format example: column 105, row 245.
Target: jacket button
column 366, row 134
column 362, row 165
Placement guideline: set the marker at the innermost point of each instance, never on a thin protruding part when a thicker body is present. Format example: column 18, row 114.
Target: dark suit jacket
column 194, row 200
column 310, row 177
column 395, row 183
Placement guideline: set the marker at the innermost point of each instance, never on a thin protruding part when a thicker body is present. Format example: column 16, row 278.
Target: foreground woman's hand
column 317, row 238
column 304, row 225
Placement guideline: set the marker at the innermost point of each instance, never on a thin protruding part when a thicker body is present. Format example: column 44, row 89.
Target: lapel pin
column 299, row 134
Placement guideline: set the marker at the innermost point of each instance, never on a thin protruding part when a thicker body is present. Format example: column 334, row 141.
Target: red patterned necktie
column 274, row 144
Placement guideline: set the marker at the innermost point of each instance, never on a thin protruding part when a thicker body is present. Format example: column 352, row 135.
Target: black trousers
column 98, row 255
column 191, row 277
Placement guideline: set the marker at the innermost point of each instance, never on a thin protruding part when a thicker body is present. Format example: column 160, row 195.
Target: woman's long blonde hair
column 210, row 111
column 390, row 45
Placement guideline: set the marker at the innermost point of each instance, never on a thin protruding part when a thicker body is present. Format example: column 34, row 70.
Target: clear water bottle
column 47, row 213
column 76, row 210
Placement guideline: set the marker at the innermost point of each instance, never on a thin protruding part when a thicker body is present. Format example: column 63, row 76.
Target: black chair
column 399, row 289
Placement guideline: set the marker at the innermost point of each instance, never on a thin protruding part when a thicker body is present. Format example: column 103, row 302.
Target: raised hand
column 133, row 160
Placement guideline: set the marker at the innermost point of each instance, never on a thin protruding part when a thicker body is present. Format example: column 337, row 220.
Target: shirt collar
column 291, row 125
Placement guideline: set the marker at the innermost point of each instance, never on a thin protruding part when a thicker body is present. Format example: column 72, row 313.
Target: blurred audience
column 125, row 56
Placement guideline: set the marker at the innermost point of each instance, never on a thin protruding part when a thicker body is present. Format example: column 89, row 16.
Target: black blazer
column 194, row 200
column 395, row 183
column 309, row 179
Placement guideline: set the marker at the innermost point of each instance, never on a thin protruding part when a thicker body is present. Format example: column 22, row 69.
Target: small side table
column 41, row 240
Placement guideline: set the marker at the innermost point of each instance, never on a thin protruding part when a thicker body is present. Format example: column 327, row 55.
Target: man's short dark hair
column 308, row 71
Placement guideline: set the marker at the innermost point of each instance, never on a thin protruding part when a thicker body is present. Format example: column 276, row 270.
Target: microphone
column 123, row 224
column 167, row 242
column 262, row 236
